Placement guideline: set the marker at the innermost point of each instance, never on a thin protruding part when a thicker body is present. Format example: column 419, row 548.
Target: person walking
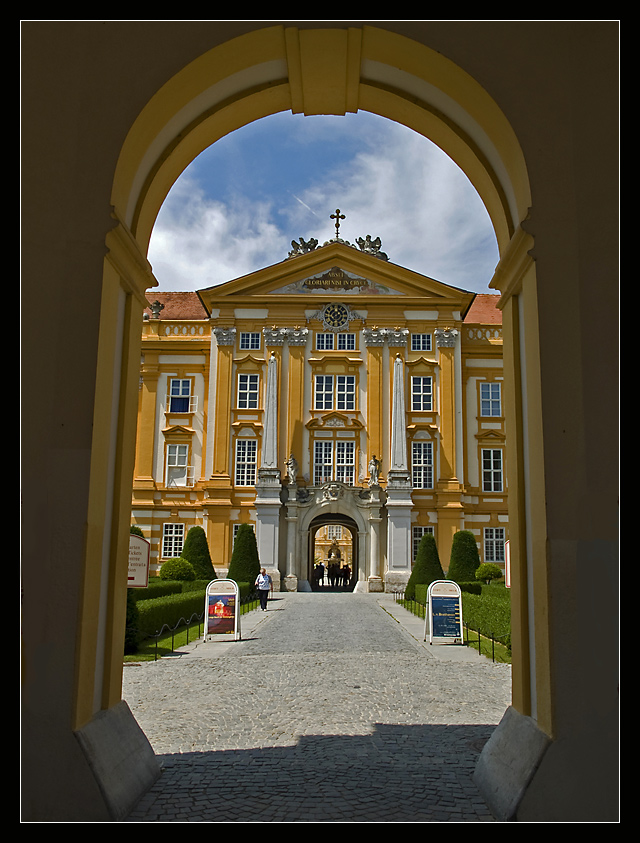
column 264, row 585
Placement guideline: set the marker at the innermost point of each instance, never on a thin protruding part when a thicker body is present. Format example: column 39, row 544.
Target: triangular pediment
column 334, row 269
column 334, row 420
column 491, row 434
column 177, row 430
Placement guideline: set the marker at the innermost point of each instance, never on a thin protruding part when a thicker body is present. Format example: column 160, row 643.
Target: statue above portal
column 374, row 471
column 292, row 469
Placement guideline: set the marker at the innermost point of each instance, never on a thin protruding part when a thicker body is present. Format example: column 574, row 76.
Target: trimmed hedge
column 168, row 610
column 489, row 612
column 421, row 589
column 132, row 629
column 470, row 587
column 165, row 603
column 156, row 588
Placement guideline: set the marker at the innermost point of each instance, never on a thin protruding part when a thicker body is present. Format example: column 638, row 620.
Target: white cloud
column 398, row 187
column 200, row 242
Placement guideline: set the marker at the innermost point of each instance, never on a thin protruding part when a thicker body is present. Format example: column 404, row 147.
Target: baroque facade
column 334, row 394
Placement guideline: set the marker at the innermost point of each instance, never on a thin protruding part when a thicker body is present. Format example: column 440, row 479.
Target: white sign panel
column 444, row 613
column 139, row 553
column 222, row 611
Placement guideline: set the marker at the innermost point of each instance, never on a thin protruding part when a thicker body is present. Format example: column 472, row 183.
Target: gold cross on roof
column 337, row 217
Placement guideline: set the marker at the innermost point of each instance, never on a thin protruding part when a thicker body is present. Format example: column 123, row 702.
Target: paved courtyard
column 331, row 708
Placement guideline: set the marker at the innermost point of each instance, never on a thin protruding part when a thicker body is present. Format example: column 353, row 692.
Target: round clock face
column 336, row 315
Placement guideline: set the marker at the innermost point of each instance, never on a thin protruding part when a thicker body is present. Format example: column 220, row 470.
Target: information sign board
column 222, row 610
column 443, row 619
column 139, row 553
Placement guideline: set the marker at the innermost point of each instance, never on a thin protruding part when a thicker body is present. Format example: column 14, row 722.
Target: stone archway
column 334, row 503
column 334, row 549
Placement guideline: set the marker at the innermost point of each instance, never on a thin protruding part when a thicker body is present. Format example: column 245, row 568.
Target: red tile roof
column 483, row 311
column 177, row 305
column 187, row 305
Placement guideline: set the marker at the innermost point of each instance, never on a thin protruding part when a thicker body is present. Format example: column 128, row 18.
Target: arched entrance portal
column 333, row 553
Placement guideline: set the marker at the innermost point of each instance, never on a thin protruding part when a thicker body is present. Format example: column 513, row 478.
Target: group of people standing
column 335, row 575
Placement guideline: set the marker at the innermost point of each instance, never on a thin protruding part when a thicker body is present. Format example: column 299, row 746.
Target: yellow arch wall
column 282, row 68
column 331, row 71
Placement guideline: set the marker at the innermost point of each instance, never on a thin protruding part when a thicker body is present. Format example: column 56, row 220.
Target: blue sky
column 239, row 205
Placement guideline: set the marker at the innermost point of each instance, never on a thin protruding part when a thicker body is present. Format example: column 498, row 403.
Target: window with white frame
column 494, row 539
column 345, row 392
column 322, row 462
column 345, row 461
column 422, row 465
column 249, row 340
column 172, row 540
column 334, row 461
column 422, row 393
column 490, row 399
column 323, row 392
column 334, row 532
column 331, row 342
column 246, row 462
column 178, row 471
column 492, row 470
column 248, row 391
column 180, row 399
column 420, row 342
column 417, row 534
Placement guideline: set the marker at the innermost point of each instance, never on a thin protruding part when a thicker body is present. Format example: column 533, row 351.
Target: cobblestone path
column 327, row 710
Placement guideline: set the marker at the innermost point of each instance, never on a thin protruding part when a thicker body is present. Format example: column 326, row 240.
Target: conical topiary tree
column 196, row 551
column 426, row 568
column 245, row 563
column 465, row 558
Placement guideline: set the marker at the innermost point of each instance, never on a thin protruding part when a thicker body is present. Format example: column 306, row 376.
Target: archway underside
column 280, row 69
column 333, row 562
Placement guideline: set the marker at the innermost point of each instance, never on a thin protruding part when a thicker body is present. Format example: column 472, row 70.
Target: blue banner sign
column 444, row 613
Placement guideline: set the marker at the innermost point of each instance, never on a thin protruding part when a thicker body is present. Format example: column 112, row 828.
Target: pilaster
column 268, row 485
column 448, row 488
column 374, row 341
column 146, row 439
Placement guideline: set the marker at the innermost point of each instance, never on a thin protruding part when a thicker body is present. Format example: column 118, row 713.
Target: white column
column 268, row 485
column 399, row 502
column 269, row 458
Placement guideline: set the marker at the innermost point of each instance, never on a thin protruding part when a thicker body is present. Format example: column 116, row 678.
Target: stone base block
column 396, row 582
column 120, row 758
column 508, row 762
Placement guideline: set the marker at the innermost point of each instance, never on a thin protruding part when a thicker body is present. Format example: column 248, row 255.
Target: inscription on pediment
column 336, row 280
